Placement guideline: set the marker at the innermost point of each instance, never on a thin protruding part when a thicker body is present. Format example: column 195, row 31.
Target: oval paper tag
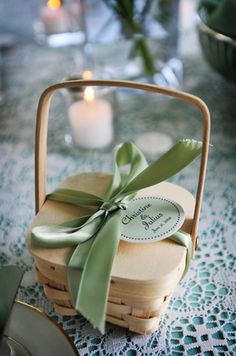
column 149, row 219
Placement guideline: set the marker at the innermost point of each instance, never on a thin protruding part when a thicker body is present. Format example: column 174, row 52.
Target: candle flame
column 54, row 4
column 89, row 94
column 87, row 74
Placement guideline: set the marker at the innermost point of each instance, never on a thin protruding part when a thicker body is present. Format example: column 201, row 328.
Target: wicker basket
column 138, row 296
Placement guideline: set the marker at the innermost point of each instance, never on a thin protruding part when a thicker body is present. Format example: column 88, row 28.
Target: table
column 201, row 317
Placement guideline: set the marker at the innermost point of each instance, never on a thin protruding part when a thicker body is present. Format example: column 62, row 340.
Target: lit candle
column 91, row 121
column 54, row 17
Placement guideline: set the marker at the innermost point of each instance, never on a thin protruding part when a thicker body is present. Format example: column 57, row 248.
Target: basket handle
column 42, row 128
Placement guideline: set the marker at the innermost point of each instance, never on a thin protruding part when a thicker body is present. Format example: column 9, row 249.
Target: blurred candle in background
column 54, row 17
column 91, row 121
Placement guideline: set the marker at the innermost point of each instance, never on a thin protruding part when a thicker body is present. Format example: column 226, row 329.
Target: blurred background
column 144, row 38
column 183, row 44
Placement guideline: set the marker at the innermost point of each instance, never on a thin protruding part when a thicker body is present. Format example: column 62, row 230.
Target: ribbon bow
column 96, row 237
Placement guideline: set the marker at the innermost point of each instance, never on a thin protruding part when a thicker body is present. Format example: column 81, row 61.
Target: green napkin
column 10, row 278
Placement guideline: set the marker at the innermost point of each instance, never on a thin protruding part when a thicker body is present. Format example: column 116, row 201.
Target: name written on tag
column 149, row 219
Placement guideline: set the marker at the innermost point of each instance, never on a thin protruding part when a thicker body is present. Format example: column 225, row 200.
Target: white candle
column 91, row 121
column 54, row 17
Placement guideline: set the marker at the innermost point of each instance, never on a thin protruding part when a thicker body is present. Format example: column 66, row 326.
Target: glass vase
column 142, row 44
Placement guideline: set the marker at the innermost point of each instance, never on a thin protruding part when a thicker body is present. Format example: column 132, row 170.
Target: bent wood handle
column 42, row 128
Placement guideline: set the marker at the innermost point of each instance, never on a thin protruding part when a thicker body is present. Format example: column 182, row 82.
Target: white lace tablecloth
column 200, row 319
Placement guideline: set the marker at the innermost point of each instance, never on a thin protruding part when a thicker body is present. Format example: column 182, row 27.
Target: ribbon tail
column 184, row 239
column 76, row 265
column 94, row 285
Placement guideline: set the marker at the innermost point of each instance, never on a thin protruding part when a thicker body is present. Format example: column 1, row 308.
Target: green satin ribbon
column 96, row 237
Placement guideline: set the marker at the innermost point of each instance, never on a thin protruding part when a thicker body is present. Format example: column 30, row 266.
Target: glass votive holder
column 60, row 23
column 93, row 117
